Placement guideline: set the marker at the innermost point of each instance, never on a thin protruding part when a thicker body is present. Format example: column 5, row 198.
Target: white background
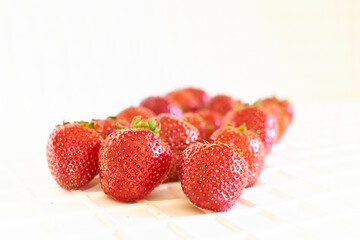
column 74, row 60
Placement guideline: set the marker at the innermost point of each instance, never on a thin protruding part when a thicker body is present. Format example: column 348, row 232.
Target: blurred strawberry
column 160, row 105
column 281, row 110
column 223, row 103
column 106, row 126
column 129, row 113
column 200, row 95
column 185, row 99
column 212, row 117
column 205, row 128
column 257, row 120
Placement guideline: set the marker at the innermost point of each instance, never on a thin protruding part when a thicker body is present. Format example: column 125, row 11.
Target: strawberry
column 178, row 134
column 184, row 99
column 281, row 110
column 72, row 155
column 222, row 104
column 256, row 120
column 106, row 126
column 251, row 146
column 200, row 95
column 129, row 113
column 212, row 176
column 205, row 128
column 212, row 117
column 133, row 161
column 161, row 105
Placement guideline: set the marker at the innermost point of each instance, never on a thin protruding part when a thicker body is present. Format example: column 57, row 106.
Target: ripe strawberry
column 161, row 105
column 256, row 120
column 222, row 104
column 184, row 99
column 133, row 162
column 129, row 113
column 179, row 135
column 72, row 155
column 200, row 95
column 212, row 117
column 205, row 128
column 213, row 176
column 281, row 110
column 252, row 148
column 106, row 126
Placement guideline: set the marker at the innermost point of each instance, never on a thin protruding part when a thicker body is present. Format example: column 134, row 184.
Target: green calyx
column 145, row 123
column 63, row 124
column 238, row 150
column 86, row 124
column 206, row 142
column 119, row 126
column 257, row 102
column 112, row 117
column 242, row 128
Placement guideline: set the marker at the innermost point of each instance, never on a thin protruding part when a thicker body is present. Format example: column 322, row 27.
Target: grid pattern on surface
column 309, row 189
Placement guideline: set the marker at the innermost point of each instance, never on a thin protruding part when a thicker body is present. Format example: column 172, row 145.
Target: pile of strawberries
column 214, row 145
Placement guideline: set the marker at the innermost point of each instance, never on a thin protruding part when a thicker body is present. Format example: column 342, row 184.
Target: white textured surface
column 309, row 189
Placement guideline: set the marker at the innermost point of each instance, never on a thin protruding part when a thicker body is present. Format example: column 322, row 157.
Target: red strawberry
column 205, row 128
column 213, row 176
column 133, row 162
column 129, row 113
column 200, row 95
column 178, row 134
column 256, row 120
column 72, row 155
column 281, row 110
column 222, row 104
column 250, row 144
column 212, row 117
column 184, row 99
column 161, row 105
column 106, row 126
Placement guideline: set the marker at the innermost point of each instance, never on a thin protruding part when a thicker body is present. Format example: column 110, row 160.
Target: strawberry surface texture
column 213, row 176
column 72, row 155
column 132, row 163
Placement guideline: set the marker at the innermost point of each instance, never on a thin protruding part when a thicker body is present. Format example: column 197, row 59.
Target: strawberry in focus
column 161, row 105
column 129, row 113
column 249, row 143
column 133, row 162
column 72, row 155
column 213, row 176
column 179, row 135
column 256, row 120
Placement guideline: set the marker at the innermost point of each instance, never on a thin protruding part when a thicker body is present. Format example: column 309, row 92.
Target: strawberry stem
column 257, row 102
column 135, row 121
column 242, row 128
column 150, row 124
